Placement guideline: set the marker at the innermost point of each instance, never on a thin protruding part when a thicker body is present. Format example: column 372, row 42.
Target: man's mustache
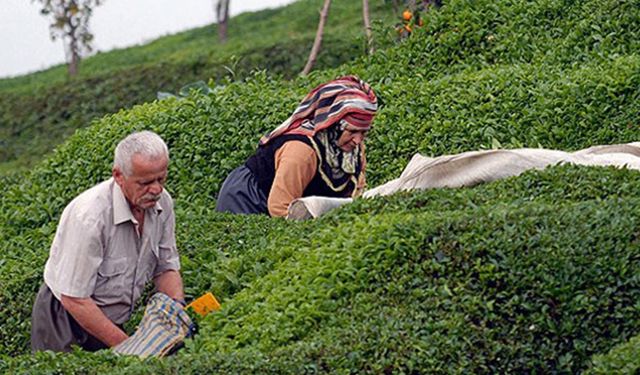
column 151, row 197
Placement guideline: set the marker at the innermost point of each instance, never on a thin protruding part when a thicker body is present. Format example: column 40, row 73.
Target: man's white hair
column 145, row 143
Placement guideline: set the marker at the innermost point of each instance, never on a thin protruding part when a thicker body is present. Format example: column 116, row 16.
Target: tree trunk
column 222, row 13
column 222, row 31
column 74, row 48
column 318, row 41
column 396, row 7
column 74, row 64
column 367, row 26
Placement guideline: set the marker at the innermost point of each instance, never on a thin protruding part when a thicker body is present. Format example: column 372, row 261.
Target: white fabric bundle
column 475, row 167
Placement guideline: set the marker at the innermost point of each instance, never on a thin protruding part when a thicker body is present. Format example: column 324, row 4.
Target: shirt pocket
column 111, row 277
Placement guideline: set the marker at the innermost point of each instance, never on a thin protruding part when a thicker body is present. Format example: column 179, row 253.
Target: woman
column 319, row 150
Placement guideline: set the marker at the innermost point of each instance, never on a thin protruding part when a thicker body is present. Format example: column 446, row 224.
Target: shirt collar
column 121, row 210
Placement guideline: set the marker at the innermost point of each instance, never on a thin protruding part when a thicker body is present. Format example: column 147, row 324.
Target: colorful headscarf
column 327, row 104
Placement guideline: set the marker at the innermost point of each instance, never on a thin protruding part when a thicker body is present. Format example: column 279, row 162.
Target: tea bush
column 518, row 275
column 535, row 273
column 622, row 359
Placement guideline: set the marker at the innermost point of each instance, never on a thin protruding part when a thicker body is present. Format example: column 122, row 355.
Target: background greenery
column 536, row 273
column 38, row 111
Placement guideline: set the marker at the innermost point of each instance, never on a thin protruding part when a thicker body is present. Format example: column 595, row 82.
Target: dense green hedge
column 514, row 276
column 622, row 359
column 537, row 273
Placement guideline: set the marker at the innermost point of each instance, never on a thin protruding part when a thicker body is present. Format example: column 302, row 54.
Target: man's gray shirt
column 98, row 253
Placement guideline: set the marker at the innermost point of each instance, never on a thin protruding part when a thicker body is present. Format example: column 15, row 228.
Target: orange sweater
column 296, row 164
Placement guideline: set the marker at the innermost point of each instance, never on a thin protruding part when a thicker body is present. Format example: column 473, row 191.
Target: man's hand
column 170, row 283
column 92, row 319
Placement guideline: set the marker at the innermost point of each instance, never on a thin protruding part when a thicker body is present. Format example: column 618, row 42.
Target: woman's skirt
column 240, row 194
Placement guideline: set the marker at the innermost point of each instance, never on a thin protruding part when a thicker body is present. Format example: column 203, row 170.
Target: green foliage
column 532, row 274
column 622, row 359
column 39, row 111
column 519, row 275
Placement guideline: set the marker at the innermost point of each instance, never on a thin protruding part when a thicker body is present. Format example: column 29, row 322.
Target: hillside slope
column 38, row 111
column 537, row 273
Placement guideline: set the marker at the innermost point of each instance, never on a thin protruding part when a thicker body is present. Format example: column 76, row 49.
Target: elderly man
column 111, row 240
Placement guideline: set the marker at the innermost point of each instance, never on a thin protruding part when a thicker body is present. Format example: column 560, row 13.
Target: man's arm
column 92, row 319
column 170, row 283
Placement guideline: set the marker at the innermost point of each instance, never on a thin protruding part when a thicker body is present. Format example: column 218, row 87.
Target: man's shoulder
column 93, row 201
column 166, row 201
column 101, row 191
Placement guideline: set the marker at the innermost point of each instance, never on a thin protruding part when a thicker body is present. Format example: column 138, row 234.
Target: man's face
column 143, row 187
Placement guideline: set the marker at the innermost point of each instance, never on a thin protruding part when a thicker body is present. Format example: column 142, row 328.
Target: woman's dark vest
column 263, row 166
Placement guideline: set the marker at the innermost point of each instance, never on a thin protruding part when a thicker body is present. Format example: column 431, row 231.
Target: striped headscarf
column 327, row 104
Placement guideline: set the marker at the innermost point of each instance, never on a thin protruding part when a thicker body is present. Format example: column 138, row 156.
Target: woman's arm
column 362, row 180
column 296, row 163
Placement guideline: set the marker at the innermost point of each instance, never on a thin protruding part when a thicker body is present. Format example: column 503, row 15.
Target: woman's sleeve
column 296, row 164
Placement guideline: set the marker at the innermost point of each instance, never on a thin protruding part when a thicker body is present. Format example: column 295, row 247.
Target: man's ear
column 117, row 175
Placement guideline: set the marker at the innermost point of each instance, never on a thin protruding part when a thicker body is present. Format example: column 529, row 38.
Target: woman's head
column 346, row 102
column 350, row 133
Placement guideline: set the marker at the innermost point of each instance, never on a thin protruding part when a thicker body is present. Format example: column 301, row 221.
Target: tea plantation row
column 532, row 274
column 519, row 275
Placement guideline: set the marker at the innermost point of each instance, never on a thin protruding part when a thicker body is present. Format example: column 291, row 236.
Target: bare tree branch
column 367, row 26
column 318, row 41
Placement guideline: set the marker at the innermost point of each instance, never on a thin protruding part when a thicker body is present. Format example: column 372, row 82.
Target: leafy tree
column 70, row 22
